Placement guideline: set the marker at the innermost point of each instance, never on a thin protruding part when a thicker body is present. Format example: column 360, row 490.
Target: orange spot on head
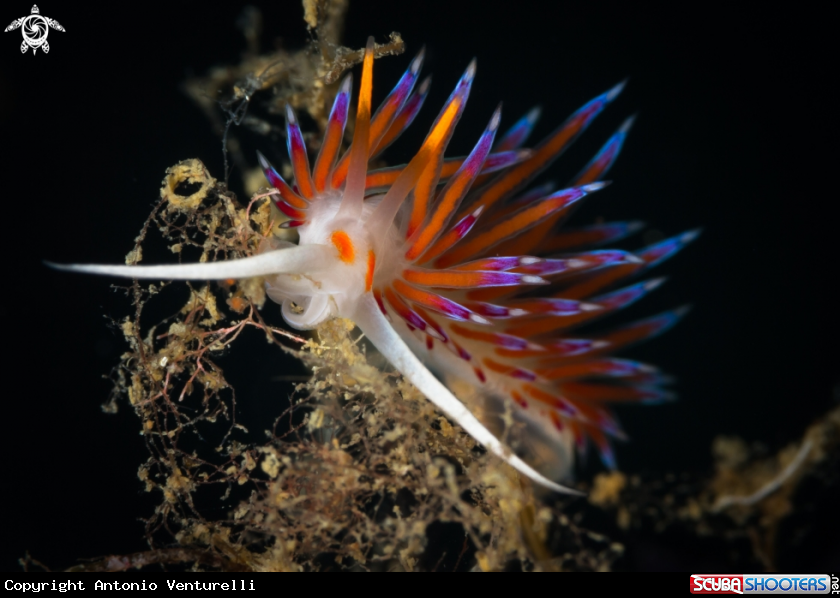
column 370, row 267
column 342, row 242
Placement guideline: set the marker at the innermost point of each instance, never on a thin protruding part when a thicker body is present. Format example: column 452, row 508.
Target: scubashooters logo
column 760, row 584
column 35, row 29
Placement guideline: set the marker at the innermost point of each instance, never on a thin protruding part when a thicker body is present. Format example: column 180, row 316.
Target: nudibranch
column 454, row 271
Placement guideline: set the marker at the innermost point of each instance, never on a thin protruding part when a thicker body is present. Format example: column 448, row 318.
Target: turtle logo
column 35, row 29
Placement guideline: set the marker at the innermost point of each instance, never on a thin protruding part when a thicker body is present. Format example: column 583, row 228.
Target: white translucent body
column 313, row 276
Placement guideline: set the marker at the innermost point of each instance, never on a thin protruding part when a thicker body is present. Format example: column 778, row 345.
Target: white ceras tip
column 424, row 86
column 635, row 226
column 478, row 319
column 263, row 162
column 291, row 119
column 689, row 236
column 533, row 115
column 531, row 279
column 613, row 93
column 627, row 124
column 523, row 154
column 346, row 84
column 418, row 61
column 495, row 119
column 469, row 74
column 592, row 187
column 654, row 283
column 589, row 306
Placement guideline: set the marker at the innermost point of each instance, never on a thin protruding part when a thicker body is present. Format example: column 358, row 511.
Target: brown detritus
column 327, row 18
column 345, row 58
column 606, row 490
column 186, row 185
column 744, row 505
column 745, row 481
column 759, row 492
column 306, row 79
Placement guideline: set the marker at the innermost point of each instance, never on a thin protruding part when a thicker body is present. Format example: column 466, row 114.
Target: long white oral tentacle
column 388, row 342
column 305, row 258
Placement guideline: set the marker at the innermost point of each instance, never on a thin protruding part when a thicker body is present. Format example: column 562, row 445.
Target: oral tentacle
column 292, row 260
column 383, row 336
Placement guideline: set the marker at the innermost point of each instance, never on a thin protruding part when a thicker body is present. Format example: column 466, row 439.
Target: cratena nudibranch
column 455, row 271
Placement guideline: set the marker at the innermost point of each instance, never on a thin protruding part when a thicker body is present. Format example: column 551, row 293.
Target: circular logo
column 35, row 30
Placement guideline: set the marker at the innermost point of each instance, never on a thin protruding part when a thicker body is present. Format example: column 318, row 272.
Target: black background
column 733, row 135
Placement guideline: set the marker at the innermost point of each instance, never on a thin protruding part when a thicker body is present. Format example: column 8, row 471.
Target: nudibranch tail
column 456, row 271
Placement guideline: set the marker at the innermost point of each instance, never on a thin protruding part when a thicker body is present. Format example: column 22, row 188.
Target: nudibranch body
column 447, row 266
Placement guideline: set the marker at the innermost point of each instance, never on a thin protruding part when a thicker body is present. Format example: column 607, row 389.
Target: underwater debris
column 305, row 79
column 749, row 510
